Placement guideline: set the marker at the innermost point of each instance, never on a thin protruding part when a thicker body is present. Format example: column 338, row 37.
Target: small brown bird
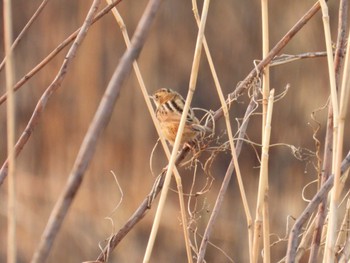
column 170, row 106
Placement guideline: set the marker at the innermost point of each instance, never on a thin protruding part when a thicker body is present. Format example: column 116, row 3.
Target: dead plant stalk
column 10, row 116
column 262, row 200
column 265, row 126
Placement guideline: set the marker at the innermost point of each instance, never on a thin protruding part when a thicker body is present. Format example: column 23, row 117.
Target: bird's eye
column 156, row 96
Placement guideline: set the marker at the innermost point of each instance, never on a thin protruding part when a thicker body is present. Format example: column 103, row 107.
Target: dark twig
column 26, row 27
column 99, row 122
column 57, row 50
column 311, row 207
column 327, row 158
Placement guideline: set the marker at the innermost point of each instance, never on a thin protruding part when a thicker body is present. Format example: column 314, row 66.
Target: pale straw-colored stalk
column 339, row 121
column 10, row 115
column 125, row 34
column 265, row 51
column 344, row 101
column 262, row 199
column 265, row 95
column 192, row 87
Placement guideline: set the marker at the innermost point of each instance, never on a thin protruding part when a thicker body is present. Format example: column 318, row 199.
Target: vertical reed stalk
column 10, row 115
column 265, row 93
column 262, row 202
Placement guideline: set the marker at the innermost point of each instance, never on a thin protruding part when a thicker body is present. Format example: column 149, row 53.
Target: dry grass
column 286, row 161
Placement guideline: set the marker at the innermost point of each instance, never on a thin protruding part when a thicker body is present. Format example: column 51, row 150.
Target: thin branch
column 287, row 58
column 10, row 116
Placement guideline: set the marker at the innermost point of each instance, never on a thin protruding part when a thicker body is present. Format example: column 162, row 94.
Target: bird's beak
column 150, row 96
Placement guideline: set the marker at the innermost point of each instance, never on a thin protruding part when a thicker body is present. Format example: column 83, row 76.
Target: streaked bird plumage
column 170, row 106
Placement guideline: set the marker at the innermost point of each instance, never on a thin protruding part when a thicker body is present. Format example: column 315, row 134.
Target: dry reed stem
column 287, row 58
column 265, row 97
column 10, row 116
column 125, row 34
column 192, row 87
column 265, row 51
column 231, row 141
column 56, row 51
column 262, row 200
column 24, row 30
column 328, row 42
column 265, row 173
column 310, row 208
column 332, row 222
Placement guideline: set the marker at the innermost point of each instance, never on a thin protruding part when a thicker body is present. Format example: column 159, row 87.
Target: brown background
column 234, row 36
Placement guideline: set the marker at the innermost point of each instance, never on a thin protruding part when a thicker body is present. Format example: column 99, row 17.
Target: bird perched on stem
column 170, row 105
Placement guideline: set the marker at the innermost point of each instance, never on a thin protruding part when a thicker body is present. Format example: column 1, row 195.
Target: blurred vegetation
column 234, row 37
